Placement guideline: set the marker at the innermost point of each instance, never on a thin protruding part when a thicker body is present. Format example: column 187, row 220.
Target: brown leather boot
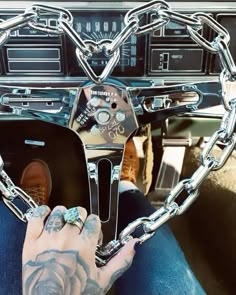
column 130, row 166
column 36, row 181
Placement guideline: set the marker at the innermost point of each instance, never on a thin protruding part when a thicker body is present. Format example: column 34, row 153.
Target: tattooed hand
column 59, row 258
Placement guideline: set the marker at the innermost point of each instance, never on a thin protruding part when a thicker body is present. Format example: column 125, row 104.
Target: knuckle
column 95, row 220
column 45, row 207
column 40, row 212
column 92, row 229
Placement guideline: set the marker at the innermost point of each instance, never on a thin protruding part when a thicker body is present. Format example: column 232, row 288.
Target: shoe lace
column 37, row 193
column 128, row 170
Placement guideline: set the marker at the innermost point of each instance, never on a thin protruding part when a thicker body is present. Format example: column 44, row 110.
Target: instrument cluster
column 168, row 52
column 97, row 26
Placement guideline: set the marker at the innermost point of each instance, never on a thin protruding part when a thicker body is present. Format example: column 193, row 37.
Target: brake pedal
column 169, row 173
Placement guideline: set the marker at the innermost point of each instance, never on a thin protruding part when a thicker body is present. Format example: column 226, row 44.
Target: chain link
column 11, row 193
column 159, row 14
column 221, row 32
column 17, row 21
column 4, row 36
column 41, row 9
column 128, row 30
column 6, row 26
column 228, row 121
column 138, row 12
column 226, row 59
column 180, row 18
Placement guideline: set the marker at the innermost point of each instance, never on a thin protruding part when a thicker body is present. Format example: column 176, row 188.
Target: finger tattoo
column 55, row 221
column 91, row 227
column 40, row 211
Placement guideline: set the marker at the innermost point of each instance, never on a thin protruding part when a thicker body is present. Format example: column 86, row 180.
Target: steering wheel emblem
column 104, row 115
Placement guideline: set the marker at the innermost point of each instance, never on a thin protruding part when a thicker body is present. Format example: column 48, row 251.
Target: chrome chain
column 11, row 193
column 225, row 136
column 161, row 15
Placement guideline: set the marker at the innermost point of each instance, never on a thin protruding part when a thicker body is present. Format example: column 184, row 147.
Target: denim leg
column 159, row 266
column 12, row 233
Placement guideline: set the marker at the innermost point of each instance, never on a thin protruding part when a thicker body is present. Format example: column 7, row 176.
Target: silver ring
column 71, row 216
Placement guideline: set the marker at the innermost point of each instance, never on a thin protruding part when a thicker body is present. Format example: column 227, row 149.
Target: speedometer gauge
column 97, row 26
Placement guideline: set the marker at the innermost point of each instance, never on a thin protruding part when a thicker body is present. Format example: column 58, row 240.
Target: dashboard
column 167, row 54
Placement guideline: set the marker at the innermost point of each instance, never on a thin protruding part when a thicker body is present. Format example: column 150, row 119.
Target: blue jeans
column 159, row 266
column 12, row 233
